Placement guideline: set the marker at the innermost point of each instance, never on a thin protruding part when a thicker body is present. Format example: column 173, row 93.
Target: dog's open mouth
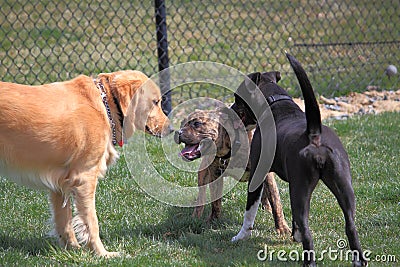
column 194, row 151
column 191, row 152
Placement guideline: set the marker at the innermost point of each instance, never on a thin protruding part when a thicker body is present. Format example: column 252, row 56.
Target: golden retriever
column 61, row 137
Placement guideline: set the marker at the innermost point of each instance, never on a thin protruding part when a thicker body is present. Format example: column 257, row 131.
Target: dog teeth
column 199, row 147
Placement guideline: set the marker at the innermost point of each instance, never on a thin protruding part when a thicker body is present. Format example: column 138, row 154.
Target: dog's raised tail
column 313, row 115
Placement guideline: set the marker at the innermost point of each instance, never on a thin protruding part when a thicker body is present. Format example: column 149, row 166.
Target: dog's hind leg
column 341, row 187
column 272, row 192
column 86, row 222
column 265, row 203
column 300, row 196
column 62, row 217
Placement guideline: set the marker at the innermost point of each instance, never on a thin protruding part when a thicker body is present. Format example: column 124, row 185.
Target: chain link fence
column 344, row 45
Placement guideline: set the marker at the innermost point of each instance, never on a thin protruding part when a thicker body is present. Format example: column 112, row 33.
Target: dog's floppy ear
column 123, row 86
column 106, row 77
column 252, row 80
column 225, row 113
column 271, row 76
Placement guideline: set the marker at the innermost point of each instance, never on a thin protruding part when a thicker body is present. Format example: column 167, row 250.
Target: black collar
column 275, row 98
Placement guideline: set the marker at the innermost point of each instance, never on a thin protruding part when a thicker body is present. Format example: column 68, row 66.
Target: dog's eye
column 196, row 124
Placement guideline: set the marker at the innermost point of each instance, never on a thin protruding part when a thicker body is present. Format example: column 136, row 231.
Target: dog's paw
column 283, row 230
column 213, row 217
column 242, row 235
column 311, row 264
column 69, row 245
column 359, row 263
column 198, row 212
column 296, row 235
column 108, row 254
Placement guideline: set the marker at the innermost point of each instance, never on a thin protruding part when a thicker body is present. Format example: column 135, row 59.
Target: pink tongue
column 189, row 150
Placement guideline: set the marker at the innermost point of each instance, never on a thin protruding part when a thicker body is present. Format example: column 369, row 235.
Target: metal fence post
column 162, row 51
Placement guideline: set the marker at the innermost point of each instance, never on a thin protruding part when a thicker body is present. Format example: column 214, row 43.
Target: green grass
column 151, row 233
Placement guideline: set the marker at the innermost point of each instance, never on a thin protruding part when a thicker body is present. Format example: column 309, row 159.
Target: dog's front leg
column 85, row 223
column 62, row 217
column 253, row 201
column 216, row 188
column 253, row 197
column 202, row 180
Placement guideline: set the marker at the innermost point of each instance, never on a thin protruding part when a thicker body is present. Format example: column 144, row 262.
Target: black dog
column 305, row 152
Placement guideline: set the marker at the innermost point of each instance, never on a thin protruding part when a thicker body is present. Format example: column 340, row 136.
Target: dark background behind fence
column 345, row 45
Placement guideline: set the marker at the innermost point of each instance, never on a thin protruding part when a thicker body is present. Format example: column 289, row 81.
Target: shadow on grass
column 30, row 246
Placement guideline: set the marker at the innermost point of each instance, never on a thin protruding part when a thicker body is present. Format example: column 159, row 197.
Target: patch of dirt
column 337, row 108
column 369, row 102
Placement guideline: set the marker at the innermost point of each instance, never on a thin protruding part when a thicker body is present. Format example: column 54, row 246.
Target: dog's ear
column 272, row 76
column 278, row 76
column 123, row 86
column 226, row 113
column 106, row 77
column 252, row 80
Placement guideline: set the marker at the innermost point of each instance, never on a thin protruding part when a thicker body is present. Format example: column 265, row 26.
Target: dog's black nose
column 177, row 137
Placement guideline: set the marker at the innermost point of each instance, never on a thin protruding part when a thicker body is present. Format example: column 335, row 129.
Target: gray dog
column 306, row 152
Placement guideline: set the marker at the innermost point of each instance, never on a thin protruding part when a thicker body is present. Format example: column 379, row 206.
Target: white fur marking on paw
column 242, row 235
column 248, row 222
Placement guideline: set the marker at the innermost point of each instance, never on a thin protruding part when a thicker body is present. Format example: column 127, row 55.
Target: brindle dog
column 205, row 134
